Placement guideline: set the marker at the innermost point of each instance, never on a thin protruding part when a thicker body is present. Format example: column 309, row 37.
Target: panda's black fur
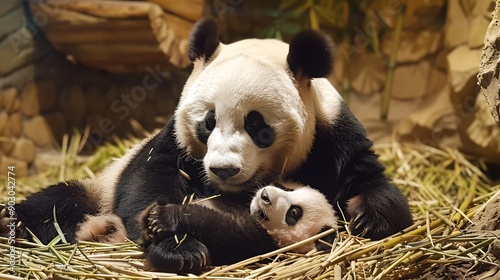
column 145, row 188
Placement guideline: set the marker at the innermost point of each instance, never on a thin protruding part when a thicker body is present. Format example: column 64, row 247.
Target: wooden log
column 191, row 10
column 114, row 31
column 100, row 35
column 123, row 68
column 64, row 19
column 103, row 8
column 114, row 49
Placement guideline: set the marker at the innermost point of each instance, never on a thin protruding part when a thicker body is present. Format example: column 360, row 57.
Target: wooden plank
column 105, row 8
column 191, row 10
column 111, row 49
column 101, row 36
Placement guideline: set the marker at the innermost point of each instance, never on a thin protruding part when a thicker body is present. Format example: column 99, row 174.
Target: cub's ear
column 204, row 39
column 310, row 54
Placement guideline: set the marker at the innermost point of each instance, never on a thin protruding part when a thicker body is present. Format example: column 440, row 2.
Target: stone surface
column 9, row 100
column 7, row 145
column 483, row 8
column 478, row 28
column 4, row 119
column 418, row 15
column 411, row 80
column 367, row 73
column 457, row 26
column 72, row 103
column 14, row 125
column 441, row 60
column 414, row 45
column 24, row 149
column 488, row 69
column 45, row 130
column 463, row 63
column 96, row 102
column 38, row 98
column 21, row 167
column 112, row 94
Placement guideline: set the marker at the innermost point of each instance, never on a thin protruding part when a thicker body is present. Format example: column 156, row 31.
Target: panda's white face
column 244, row 115
column 292, row 212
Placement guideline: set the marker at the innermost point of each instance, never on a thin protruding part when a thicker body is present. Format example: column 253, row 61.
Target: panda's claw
column 7, row 217
column 166, row 255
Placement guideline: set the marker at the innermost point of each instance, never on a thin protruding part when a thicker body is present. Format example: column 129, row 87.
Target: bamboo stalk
column 386, row 96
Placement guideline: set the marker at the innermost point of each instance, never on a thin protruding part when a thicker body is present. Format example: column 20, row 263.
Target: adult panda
column 251, row 112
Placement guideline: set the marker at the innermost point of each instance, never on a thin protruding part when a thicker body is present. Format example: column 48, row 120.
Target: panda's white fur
column 249, row 78
column 271, row 204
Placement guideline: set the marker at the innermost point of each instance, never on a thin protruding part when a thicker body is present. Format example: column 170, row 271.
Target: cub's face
column 291, row 212
column 243, row 115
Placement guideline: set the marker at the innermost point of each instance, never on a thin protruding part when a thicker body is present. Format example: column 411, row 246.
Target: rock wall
column 44, row 96
column 433, row 97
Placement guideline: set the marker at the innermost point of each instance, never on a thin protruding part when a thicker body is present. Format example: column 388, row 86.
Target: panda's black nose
column 225, row 173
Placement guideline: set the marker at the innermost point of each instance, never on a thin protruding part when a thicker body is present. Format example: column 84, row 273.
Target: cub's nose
column 225, row 172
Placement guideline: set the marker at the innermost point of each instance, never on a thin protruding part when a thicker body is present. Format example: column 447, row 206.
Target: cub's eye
column 210, row 120
column 293, row 215
column 253, row 120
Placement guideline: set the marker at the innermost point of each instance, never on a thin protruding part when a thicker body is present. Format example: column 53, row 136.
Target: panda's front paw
column 159, row 221
column 186, row 255
column 10, row 226
column 366, row 220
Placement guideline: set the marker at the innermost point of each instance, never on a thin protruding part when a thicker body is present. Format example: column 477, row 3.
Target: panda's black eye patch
column 206, row 127
column 210, row 120
column 261, row 133
column 293, row 215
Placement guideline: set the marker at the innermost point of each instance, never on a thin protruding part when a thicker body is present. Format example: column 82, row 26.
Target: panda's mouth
column 251, row 183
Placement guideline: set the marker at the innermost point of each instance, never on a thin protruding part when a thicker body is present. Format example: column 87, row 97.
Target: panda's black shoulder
column 337, row 148
column 150, row 174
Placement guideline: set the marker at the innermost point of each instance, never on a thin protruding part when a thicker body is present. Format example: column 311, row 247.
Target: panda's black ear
column 310, row 54
column 204, row 39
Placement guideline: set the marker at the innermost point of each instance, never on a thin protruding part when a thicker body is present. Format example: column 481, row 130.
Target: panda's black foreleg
column 381, row 210
column 184, row 238
column 71, row 202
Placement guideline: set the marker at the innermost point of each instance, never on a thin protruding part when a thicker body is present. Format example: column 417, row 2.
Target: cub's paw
column 177, row 254
column 10, row 226
column 367, row 220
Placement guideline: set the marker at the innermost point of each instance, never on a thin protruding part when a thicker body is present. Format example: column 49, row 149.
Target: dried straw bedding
column 456, row 209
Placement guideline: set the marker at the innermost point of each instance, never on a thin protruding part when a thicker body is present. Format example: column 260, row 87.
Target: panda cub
column 291, row 212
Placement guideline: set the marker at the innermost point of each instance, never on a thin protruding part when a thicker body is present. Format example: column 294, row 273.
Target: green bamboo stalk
column 386, row 97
